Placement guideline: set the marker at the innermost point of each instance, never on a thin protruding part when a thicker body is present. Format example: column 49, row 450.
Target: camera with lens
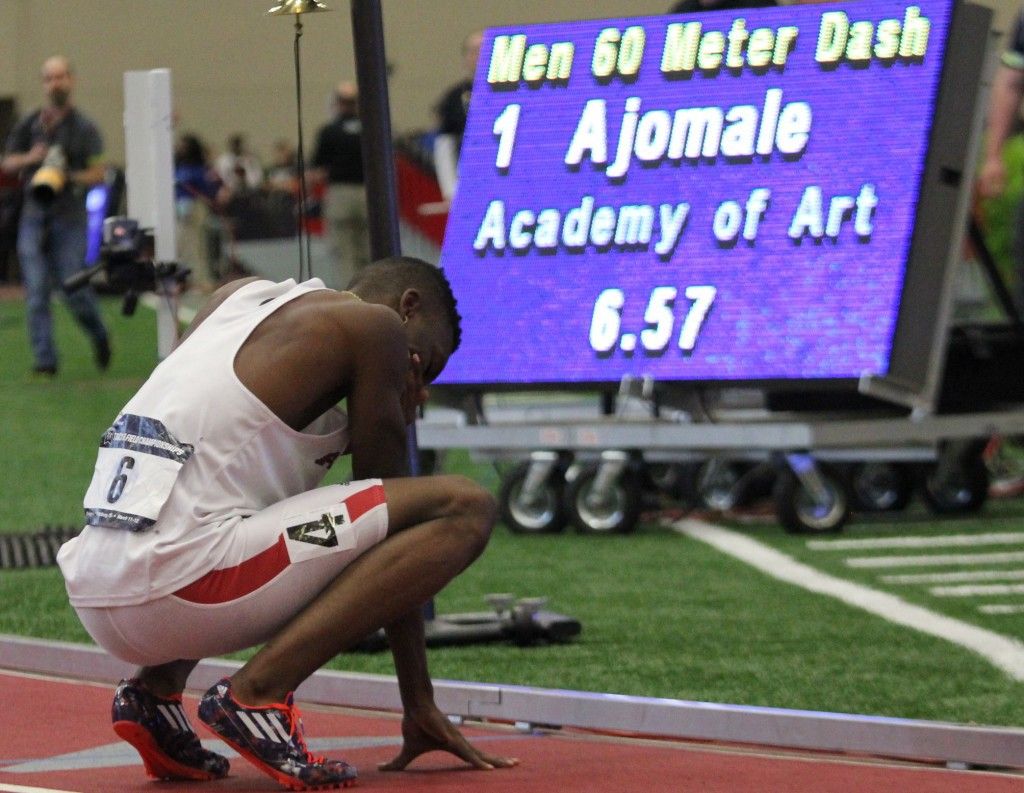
column 126, row 261
column 49, row 180
column 127, row 254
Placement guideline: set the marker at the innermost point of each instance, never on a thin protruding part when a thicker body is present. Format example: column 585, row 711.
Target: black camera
column 126, row 263
column 122, row 237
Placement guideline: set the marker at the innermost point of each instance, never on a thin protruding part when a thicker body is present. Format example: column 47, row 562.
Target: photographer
column 57, row 152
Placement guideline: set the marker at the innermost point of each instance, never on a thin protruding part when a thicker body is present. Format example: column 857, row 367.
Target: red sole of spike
column 158, row 765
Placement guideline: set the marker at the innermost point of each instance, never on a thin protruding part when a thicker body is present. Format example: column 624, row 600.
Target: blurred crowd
column 234, row 195
column 230, row 196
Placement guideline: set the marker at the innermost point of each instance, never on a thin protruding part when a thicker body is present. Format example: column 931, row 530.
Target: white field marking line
column 24, row 789
column 952, row 578
column 1000, row 608
column 976, row 590
column 993, row 522
column 1002, row 651
column 935, row 559
column 153, row 301
column 938, row 541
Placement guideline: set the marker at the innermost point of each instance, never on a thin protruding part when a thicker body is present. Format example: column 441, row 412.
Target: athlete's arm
column 377, row 424
column 385, row 388
column 377, row 384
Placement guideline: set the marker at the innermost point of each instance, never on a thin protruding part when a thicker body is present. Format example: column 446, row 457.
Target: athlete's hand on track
column 429, row 730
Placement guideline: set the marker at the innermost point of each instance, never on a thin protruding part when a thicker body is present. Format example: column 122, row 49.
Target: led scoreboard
column 726, row 196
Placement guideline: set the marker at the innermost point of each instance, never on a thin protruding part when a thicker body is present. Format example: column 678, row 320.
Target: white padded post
column 149, row 175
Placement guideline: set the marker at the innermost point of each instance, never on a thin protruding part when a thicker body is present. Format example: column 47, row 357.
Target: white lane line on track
column 1002, row 651
column 24, row 789
column 938, row 541
column 952, row 578
column 935, row 560
column 976, row 590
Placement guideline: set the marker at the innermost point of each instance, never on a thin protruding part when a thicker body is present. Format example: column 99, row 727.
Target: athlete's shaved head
column 385, row 280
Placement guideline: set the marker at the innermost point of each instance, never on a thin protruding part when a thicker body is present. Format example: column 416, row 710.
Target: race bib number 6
column 136, row 467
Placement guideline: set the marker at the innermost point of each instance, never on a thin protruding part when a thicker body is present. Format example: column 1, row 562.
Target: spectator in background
column 197, row 193
column 282, row 191
column 451, row 110
column 338, row 160
column 282, row 174
column 238, row 168
column 53, row 226
column 1003, row 115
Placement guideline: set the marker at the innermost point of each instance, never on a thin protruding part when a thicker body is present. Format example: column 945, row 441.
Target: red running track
column 56, row 735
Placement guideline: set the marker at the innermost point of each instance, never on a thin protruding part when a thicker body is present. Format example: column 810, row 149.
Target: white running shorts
column 278, row 561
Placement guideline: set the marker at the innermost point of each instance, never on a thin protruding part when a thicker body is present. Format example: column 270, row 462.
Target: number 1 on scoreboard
column 505, row 130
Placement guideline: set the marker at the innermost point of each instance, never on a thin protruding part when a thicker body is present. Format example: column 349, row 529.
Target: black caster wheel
column 592, row 512
column 798, row 510
column 543, row 513
column 881, row 487
column 962, row 491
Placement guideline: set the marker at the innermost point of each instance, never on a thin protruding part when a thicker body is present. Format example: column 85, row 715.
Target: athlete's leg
column 166, row 680
column 437, row 526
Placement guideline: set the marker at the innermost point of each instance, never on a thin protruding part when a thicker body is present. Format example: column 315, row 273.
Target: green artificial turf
column 662, row 615
column 51, row 426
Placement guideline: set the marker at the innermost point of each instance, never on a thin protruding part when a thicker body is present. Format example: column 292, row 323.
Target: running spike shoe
column 271, row 738
column 161, row 733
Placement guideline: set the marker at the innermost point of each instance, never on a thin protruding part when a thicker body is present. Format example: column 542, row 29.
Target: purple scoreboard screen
column 720, row 196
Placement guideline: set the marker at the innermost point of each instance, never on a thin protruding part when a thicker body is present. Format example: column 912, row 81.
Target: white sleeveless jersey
column 192, row 454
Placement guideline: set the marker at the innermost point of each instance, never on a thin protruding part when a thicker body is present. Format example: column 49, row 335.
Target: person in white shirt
column 238, row 168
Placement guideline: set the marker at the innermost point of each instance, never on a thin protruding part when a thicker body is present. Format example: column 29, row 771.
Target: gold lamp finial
column 296, row 7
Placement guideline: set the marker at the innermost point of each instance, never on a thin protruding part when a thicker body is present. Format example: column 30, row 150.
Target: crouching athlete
column 207, row 532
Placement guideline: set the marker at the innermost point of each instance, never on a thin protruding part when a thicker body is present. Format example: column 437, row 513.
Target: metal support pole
column 378, row 153
column 374, row 111
column 379, row 159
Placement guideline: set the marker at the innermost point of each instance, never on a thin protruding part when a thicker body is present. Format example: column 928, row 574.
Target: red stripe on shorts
column 358, row 504
column 231, row 583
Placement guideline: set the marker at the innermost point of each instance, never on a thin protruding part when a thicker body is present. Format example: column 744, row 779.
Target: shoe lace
column 299, row 737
